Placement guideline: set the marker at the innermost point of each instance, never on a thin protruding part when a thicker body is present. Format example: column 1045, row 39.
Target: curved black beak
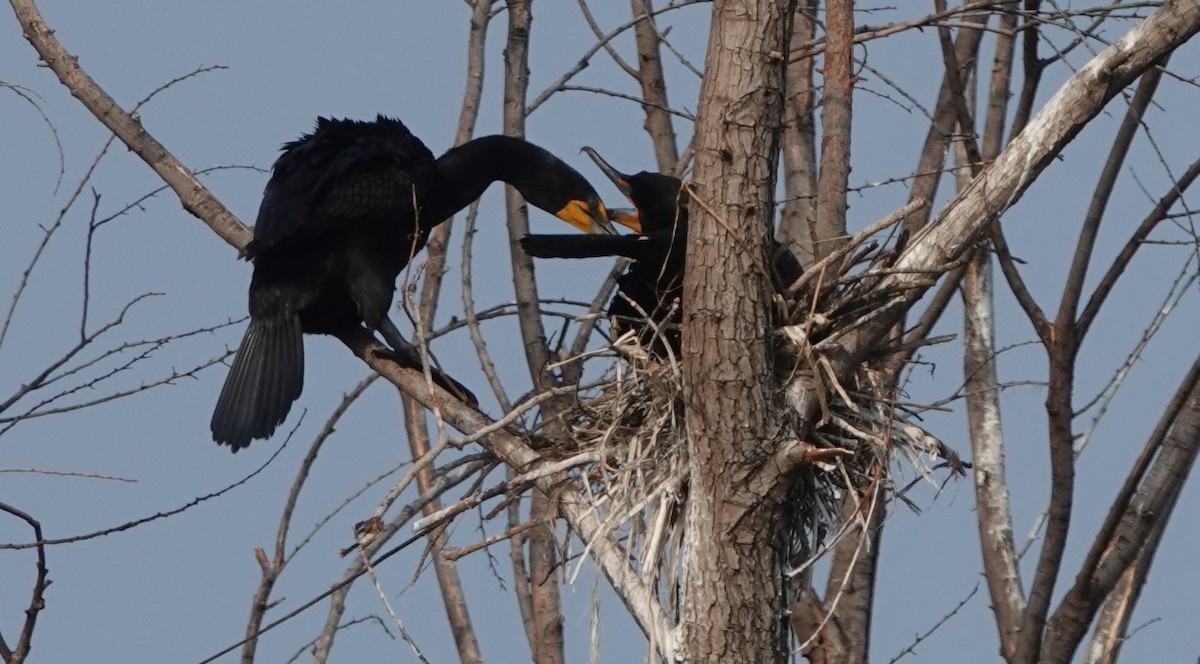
column 618, row 178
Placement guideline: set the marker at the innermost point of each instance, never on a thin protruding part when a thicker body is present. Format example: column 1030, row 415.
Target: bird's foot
column 439, row 377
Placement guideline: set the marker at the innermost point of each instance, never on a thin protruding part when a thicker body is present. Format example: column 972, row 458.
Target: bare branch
column 48, row 233
column 941, row 128
column 837, row 95
column 453, row 595
column 273, row 568
column 994, row 516
column 516, row 454
column 585, row 60
column 1002, row 183
column 796, row 225
column 1144, row 503
column 1082, row 258
column 35, row 100
column 195, row 197
column 912, row 648
column 154, row 517
column 18, row 653
column 1135, row 241
column 654, row 88
column 612, row 52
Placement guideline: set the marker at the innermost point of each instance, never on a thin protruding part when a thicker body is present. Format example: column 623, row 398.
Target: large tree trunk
column 733, row 593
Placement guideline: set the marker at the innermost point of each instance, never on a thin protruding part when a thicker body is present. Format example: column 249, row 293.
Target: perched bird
column 649, row 294
column 345, row 210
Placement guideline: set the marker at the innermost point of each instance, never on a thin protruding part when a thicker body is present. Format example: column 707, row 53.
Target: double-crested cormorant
column 650, row 293
column 346, row 208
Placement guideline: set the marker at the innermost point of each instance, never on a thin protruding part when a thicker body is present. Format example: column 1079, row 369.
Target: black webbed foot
column 409, row 358
column 405, row 354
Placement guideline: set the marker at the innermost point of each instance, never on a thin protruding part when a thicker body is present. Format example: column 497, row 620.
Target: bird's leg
column 406, row 354
column 402, row 350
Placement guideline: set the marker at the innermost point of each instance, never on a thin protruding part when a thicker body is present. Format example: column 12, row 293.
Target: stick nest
column 634, row 429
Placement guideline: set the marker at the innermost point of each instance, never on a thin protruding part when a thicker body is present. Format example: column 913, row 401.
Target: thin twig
column 18, row 654
column 154, row 517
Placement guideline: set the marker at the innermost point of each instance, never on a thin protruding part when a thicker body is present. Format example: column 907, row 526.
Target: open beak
column 589, row 218
column 618, row 178
column 627, row 217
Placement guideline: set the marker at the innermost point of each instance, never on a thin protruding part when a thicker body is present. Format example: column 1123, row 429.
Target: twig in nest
column 858, row 239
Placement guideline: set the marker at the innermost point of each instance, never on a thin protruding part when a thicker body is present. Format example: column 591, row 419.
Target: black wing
column 344, row 173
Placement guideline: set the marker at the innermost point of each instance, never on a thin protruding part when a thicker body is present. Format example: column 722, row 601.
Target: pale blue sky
column 178, row 590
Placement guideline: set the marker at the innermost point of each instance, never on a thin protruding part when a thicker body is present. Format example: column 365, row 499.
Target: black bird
column 650, row 293
column 344, row 211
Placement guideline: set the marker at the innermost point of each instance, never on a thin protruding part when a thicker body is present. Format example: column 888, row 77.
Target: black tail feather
column 266, row 377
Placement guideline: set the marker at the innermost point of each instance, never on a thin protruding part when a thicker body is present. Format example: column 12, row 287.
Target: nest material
column 634, row 422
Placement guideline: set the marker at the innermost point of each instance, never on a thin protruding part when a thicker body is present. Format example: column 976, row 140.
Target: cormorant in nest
column 345, row 210
column 649, row 294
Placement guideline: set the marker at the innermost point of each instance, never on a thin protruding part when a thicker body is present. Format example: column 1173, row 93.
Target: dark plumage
column 650, row 293
column 346, row 208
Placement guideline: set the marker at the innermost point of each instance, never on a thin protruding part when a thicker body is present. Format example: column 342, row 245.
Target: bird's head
column 551, row 184
column 660, row 201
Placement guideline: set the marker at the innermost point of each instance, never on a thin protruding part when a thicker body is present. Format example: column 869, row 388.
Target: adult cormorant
column 650, row 293
column 344, row 211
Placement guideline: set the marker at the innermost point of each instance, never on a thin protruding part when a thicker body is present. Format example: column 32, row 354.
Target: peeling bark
column 987, row 451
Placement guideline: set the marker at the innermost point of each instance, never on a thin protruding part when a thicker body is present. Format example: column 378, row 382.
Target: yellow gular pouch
column 626, row 217
column 591, row 218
